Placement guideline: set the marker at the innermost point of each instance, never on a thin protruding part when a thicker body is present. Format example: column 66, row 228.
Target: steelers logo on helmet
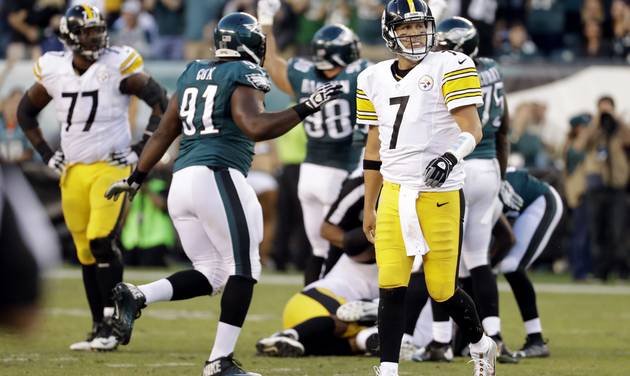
column 334, row 46
column 83, row 30
column 408, row 28
column 238, row 35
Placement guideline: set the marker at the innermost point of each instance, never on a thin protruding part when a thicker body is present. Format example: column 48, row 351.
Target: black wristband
column 137, row 177
column 450, row 157
column 303, row 110
column 44, row 151
column 371, row 165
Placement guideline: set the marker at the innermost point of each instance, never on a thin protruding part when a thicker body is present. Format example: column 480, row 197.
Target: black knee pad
column 105, row 250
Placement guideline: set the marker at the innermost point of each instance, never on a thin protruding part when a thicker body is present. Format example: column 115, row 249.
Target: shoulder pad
column 126, row 60
column 48, row 63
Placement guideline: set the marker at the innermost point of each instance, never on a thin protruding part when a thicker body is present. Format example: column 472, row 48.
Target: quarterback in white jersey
column 421, row 109
column 90, row 86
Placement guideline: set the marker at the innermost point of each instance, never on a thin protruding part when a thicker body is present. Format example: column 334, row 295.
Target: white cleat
column 485, row 362
column 407, row 348
column 384, row 372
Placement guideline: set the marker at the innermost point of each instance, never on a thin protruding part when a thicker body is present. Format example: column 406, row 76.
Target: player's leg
column 442, row 229
column 102, row 231
column 236, row 232
column 76, row 211
column 318, row 188
column 533, row 230
column 394, row 268
column 481, row 189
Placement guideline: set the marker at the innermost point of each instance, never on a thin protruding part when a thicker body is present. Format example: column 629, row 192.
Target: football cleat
column 128, row 301
column 86, row 344
column 504, row 355
column 384, row 372
column 359, row 311
column 533, row 348
column 282, row 344
column 105, row 340
column 225, row 366
column 485, row 362
column 407, row 348
column 434, row 352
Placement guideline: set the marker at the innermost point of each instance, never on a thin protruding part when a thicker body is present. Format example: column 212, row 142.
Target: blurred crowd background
column 585, row 153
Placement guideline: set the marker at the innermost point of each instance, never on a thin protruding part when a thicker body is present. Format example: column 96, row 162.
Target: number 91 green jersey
column 329, row 131
column 210, row 136
column 491, row 113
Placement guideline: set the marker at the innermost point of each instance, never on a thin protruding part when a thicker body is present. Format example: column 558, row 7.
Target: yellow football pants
column 312, row 303
column 442, row 228
column 88, row 214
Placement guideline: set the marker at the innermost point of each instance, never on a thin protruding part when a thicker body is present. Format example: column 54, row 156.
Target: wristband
column 463, row 146
column 371, row 165
column 136, row 177
column 303, row 110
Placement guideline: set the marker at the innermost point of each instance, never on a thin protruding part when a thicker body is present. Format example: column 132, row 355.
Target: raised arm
column 275, row 64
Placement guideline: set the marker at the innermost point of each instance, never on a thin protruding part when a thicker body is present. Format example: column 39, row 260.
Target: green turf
column 589, row 335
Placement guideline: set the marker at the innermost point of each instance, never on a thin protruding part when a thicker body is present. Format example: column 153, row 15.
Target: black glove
column 438, row 170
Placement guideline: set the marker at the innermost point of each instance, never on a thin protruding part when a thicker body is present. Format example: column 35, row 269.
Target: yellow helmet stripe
column 88, row 11
column 412, row 6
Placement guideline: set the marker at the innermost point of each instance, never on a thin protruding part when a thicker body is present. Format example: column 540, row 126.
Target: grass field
column 588, row 327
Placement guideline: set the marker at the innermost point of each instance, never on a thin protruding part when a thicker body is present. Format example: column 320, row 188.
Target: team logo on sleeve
column 425, row 83
column 259, row 81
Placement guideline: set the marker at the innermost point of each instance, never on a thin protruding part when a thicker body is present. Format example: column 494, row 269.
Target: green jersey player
column 218, row 110
column 331, row 153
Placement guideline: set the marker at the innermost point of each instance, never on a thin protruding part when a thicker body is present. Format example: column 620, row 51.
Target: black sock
column 462, row 309
column 189, row 284
column 391, row 319
column 415, row 299
column 524, row 294
column 313, row 269
column 236, row 299
column 92, row 292
column 309, row 330
column 108, row 275
column 486, row 293
column 535, row 337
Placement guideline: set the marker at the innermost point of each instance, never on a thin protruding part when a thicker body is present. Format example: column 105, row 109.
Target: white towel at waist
column 415, row 244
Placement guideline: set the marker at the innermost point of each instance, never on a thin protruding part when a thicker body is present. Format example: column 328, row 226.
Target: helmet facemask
column 405, row 40
column 86, row 37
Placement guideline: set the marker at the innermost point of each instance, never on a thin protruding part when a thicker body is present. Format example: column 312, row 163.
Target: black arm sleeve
column 152, row 93
column 27, row 114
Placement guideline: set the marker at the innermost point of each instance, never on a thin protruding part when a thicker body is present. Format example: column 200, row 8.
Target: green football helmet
column 238, row 35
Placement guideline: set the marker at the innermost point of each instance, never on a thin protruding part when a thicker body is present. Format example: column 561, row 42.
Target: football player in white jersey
column 421, row 109
column 90, row 85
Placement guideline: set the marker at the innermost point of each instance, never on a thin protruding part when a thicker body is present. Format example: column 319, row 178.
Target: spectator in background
column 545, row 23
column 168, row 15
column 526, row 126
column 579, row 252
column 14, row 146
column 135, row 28
column 148, row 234
column 368, row 25
column 246, row 6
column 593, row 10
column 311, row 17
column 517, row 46
column 607, row 174
column 594, row 46
column 200, row 17
column 620, row 14
column 482, row 13
column 50, row 38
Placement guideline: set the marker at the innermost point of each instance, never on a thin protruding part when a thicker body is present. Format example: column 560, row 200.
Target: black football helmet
column 334, row 46
column 398, row 12
column 458, row 34
column 83, row 30
column 239, row 35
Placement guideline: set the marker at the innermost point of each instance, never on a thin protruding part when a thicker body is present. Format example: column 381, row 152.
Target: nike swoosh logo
column 461, row 61
column 442, row 204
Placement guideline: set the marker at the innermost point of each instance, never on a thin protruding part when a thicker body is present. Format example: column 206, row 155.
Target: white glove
column 122, row 186
column 509, row 197
column 122, row 158
column 57, row 162
column 322, row 95
column 267, row 10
